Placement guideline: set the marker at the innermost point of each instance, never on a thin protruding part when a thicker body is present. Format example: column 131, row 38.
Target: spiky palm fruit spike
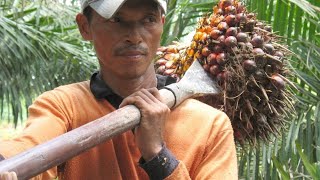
column 247, row 60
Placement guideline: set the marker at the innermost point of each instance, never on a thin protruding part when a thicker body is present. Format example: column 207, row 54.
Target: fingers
column 143, row 97
column 8, row 176
column 156, row 94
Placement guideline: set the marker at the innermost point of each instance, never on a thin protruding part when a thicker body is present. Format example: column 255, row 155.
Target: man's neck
column 125, row 87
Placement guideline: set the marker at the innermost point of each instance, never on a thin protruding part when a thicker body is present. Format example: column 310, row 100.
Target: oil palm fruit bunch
column 169, row 58
column 249, row 63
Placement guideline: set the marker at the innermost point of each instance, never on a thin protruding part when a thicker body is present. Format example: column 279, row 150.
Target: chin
column 136, row 73
column 131, row 74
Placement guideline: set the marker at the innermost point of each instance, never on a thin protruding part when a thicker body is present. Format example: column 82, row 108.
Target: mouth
column 132, row 51
column 132, row 54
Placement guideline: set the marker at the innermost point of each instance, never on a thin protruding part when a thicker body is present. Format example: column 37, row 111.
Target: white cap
column 106, row 8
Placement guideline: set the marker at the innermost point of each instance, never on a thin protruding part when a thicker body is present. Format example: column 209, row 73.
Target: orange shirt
column 200, row 137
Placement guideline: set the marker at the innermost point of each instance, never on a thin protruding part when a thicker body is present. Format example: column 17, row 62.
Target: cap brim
column 107, row 9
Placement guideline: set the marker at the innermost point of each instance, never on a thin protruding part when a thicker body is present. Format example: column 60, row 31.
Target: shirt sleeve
column 219, row 160
column 214, row 166
column 46, row 120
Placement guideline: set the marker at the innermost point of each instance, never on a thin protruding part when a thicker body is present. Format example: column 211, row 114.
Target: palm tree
column 39, row 51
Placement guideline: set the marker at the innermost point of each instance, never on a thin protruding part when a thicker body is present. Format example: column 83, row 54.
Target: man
column 193, row 141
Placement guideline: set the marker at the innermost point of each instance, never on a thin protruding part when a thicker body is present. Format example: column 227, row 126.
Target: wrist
column 149, row 153
column 161, row 166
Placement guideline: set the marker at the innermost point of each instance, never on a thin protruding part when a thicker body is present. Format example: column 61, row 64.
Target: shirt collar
column 101, row 90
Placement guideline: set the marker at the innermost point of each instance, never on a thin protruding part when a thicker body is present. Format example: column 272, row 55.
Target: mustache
column 123, row 49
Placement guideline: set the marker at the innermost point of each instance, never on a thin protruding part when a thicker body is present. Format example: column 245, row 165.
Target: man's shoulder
column 79, row 86
column 198, row 107
column 69, row 91
column 197, row 113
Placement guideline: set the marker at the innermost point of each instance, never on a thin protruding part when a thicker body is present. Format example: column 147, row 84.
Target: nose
column 134, row 34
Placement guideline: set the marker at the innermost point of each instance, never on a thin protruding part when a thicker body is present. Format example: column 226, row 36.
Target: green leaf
column 285, row 175
column 311, row 168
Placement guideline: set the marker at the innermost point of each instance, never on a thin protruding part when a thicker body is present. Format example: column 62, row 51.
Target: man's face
column 126, row 43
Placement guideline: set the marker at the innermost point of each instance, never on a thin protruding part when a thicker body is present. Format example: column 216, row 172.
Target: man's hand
column 8, row 176
column 149, row 133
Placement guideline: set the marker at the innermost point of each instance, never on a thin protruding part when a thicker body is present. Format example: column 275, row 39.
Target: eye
column 150, row 19
column 114, row 19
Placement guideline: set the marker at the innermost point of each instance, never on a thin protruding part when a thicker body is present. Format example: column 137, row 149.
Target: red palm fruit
column 168, row 56
column 161, row 61
column 168, row 71
column 162, row 48
column 169, row 64
column 223, row 26
column 269, row 48
column 242, row 37
column 222, row 76
column 241, row 45
column 211, row 59
column 240, row 7
column 230, row 10
column 249, row 45
column 225, row 3
column 258, row 52
column 172, row 49
column 217, row 10
column 205, row 51
column 241, row 18
column 279, row 54
column 215, row 33
column 217, row 49
column 221, row 58
column 277, row 81
column 249, row 66
column 231, row 20
column 214, row 70
column 221, row 40
column 257, row 42
column 206, row 67
column 232, row 31
column 231, row 41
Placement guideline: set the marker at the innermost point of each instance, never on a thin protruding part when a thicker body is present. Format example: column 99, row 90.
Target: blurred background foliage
column 41, row 48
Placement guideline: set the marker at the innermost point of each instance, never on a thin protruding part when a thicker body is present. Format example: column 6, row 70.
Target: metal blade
column 196, row 79
column 195, row 82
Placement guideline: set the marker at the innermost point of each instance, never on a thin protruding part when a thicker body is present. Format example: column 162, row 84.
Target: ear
column 84, row 27
column 163, row 19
